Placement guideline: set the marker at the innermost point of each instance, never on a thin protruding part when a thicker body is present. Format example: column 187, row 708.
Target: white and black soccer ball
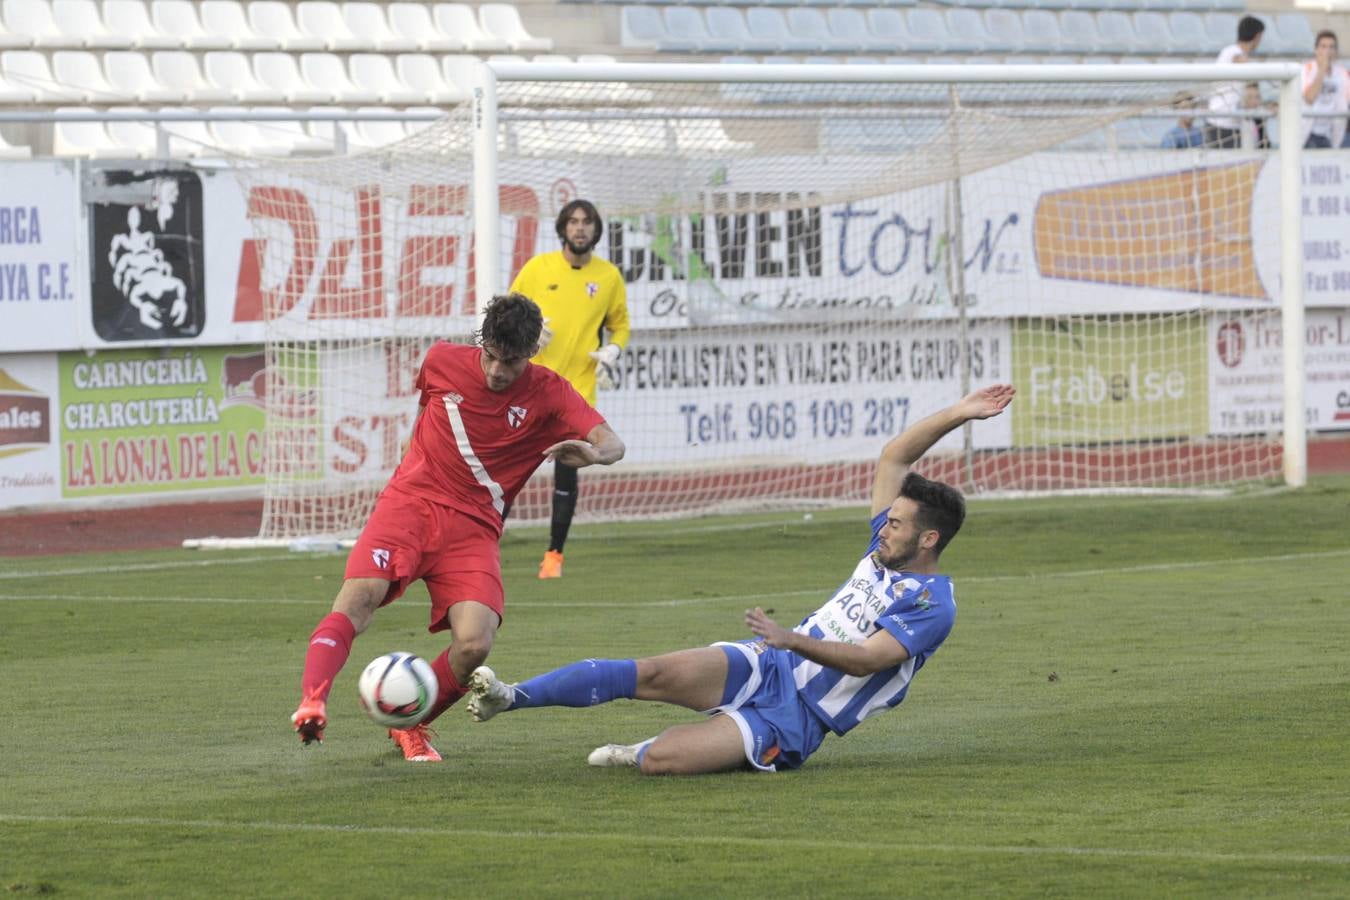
column 397, row 690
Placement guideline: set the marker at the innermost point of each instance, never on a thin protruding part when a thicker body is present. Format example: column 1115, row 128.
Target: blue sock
column 584, row 683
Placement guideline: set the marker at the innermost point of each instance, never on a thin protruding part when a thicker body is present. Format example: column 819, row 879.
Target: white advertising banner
column 30, row 459
column 1246, row 374
column 41, row 281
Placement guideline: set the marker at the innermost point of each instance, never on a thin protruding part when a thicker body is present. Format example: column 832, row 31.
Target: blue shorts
column 777, row 727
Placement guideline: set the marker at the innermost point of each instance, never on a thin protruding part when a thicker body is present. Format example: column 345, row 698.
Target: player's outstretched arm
column 602, row 447
column 910, row 445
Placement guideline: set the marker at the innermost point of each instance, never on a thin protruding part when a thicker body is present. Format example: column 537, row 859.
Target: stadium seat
column 727, row 30
column 368, row 20
column 421, row 72
column 29, row 69
column 809, row 26
column 16, row 93
column 227, row 19
column 179, row 18
column 1153, row 34
column 620, row 92
column 232, row 71
column 1005, row 31
column 80, row 22
column 323, row 20
column 187, row 137
column 377, row 132
column 705, row 137
column 273, row 18
column 1188, row 30
column 1040, row 32
column 413, row 21
column 1221, row 27
column 1079, row 31
column 503, row 21
column 889, row 26
column 29, row 24
column 10, row 150
column 128, row 71
column 459, row 20
column 263, row 138
column 412, row 126
column 641, row 27
column 684, row 30
column 327, row 72
column 1294, row 36
column 375, row 72
column 132, row 18
column 79, row 70
column 769, row 26
column 1121, row 33
column 178, row 69
column 135, row 139
column 849, row 27
column 925, row 31
column 966, row 32
column 83, row 138
column 281, row 71
column 10, row 37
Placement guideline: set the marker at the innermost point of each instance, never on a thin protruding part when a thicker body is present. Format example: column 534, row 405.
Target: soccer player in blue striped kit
column 772, row 699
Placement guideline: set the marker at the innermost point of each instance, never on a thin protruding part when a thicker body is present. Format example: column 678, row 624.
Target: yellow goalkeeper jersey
column 580, row 304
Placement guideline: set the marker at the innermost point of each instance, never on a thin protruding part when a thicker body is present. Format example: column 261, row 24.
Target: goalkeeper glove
column 605, row 360
column 545, row 335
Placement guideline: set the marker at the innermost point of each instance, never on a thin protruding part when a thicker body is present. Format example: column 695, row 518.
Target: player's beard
column 898, row 557
column 580, row 248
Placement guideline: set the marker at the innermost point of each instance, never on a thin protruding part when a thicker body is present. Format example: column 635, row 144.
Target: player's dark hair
column 591, row 212
column 1249, row 27
column 941, row 507
column 1325, row 34
column 511, row 325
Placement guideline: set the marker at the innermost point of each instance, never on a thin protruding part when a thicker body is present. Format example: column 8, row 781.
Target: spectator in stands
column 1225, row 131
column 1326, row 90
column 1185, row 133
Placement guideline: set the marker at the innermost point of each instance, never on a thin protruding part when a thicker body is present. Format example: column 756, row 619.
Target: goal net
column 811, row 265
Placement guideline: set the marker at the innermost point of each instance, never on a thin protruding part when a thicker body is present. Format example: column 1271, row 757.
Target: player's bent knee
column 472, row 650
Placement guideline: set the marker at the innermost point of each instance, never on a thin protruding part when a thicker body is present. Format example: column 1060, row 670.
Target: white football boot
column 488, row 695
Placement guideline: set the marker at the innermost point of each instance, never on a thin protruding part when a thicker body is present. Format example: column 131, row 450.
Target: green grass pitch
column 1142, row 697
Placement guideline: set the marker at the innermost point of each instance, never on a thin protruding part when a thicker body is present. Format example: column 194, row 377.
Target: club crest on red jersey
column 515, row 416
column 380, row 558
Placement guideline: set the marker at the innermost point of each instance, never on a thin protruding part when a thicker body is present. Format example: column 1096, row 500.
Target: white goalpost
column 815, row 255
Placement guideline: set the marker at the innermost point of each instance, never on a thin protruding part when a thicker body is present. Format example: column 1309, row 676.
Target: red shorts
column 407, row 538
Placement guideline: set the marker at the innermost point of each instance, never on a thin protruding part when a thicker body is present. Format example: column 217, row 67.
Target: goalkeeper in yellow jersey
column 585, row 307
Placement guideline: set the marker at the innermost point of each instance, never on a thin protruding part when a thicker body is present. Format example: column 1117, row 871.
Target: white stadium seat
column 1079, row 28
column 641, row 27
column 128, row 71
column 29, row 24
column 232, row 71
column 459, row 20
column 809, row 25
column 1005, row 31
column 14, row 151
column 413, row 21
column 966, row 31
column 273, row 18
column 136, row 139
column 16, row 93
column 503, row 21
column 423, row 73
column 375, row 72
column 770, row 26
column 280, row 71
column 179, row 18
column 1040, row 32
column 132, row 18
column 227, row 19
column 178, row 69
column 324, row 20
column 188, row 138
column 80, row 22
column 377, row 132
column 260, row 138
column 727, row 29
column 327, row 71
column 29, row 69
column 80, row 71
column 83, row 138
column 925, row 31
column 368, row 20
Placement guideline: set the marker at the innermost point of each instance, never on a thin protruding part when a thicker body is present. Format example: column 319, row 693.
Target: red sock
column 448, row 687
column 329, row 647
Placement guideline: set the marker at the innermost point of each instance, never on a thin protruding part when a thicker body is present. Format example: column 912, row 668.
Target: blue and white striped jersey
column 917, row 610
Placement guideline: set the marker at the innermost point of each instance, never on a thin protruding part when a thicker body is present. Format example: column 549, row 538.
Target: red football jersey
column 473, row 448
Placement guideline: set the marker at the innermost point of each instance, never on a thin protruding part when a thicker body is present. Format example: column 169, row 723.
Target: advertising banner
column 29, row 459
column 40, row 275
column 1246, row 372
column 148, row 421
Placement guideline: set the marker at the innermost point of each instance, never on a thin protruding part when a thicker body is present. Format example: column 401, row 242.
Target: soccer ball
column 397, row 690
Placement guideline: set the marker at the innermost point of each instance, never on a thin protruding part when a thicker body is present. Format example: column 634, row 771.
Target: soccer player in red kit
column 488, row 418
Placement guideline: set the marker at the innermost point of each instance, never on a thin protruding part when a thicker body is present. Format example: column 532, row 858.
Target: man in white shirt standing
column 1225, row 131
column 1325, row 86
